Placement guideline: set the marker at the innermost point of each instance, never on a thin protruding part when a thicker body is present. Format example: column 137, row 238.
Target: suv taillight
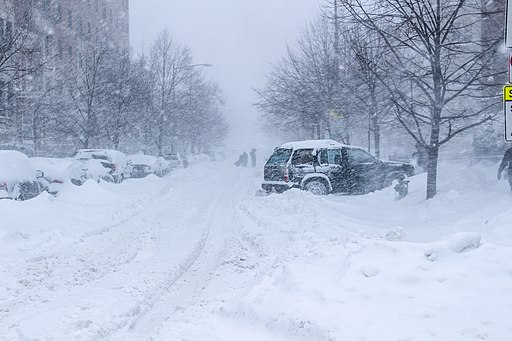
column 286, row 177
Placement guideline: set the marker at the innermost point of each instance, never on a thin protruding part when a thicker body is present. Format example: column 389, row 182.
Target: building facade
column 53, row 38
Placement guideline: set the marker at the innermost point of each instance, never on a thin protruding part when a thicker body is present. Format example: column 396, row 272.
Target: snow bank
column 197, row 256
column 53, row 168
column 15, row 166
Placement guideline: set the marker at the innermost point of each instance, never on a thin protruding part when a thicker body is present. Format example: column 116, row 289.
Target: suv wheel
column 317, row 187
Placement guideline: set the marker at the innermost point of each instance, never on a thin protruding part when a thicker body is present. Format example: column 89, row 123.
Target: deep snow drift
column 198, row 256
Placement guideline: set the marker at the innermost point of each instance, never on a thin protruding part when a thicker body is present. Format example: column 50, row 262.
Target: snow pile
column 197, row 256
column 15, row 166
column 367, row 267
column 53, row 168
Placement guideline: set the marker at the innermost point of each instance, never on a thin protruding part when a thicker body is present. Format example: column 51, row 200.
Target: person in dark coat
column 253, row 157
column 506, row 163
column 245, row 159
column 240, row 160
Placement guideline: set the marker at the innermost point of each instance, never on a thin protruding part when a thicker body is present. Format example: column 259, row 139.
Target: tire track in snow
column 142, row 287
column 184, row 287
column 40, row 270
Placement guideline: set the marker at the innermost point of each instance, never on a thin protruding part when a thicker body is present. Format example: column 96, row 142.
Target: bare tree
column 310, row 84
column 20, row 56
column 142, row 103
column 435, row 46
column 170, row 66
column 202, row 127
column 120, row 96
column 84, row 107
column 369, row 54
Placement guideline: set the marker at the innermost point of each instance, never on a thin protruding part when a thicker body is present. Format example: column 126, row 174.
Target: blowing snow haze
column 128, row 211
column 240, row 38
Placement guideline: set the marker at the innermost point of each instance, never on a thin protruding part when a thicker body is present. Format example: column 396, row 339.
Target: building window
column 46, row 6
column 59, row 50
column 58, row 14
column 48, row 42
column 8, row 30
column 70, row 19
column 2, row 30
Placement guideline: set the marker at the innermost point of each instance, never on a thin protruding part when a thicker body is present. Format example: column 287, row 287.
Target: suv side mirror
column 39, row 174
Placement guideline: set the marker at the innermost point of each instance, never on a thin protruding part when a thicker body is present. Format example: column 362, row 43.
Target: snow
column 198, row 256
column 53, row 168
column 14, row 167
column 140, row 159
column 313, row 144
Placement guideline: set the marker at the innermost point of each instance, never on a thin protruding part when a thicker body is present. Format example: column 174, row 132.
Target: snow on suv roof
column 313, row 144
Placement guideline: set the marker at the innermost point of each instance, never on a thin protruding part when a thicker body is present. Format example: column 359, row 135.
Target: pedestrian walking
column 245, row 159
column 506, row 163
column 253, row 157
column 240, row 160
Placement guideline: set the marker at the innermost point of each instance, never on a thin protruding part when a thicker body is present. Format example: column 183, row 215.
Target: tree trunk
column 433, row 155
column 376, row 134
column 35, row 137
column 375, row 124
column 347, row 130
column 19, row 123
column 117, row 140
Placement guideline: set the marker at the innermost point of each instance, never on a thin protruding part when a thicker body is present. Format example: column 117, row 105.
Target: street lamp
column 191, row 66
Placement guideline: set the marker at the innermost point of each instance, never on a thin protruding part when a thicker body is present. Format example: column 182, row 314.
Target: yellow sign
column 507, row 98
column 507, row 93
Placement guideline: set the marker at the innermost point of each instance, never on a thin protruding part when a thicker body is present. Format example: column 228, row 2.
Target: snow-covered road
column 197, row 256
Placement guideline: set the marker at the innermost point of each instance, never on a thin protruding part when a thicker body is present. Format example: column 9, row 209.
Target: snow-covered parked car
column 325, row 166
column 174, row 160
column 56, row 171
column 89, row 160
column 143, row 165
column 82, row 170
column 19, row 180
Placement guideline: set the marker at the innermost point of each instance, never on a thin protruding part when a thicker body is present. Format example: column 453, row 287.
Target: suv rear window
column 280, row 156
column 303, row 157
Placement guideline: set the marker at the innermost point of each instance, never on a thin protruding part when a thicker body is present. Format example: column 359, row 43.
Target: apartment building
column 65, row 29
column 61, row 31
column 492, row 29
column 56, row 35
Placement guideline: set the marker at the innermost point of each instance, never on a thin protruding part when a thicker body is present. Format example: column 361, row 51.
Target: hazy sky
column 239, row 37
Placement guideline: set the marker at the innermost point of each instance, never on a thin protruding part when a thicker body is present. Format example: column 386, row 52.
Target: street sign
column 507, row 100
column 508, row 24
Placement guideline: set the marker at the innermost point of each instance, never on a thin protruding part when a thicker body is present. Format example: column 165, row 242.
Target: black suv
column 325, row 166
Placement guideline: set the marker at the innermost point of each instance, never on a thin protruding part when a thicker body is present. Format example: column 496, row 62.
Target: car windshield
column 280, row 156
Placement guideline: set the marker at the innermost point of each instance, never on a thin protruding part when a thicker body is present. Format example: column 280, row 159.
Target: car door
column 303, row 162
column 330, row 165
column 360, row 170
